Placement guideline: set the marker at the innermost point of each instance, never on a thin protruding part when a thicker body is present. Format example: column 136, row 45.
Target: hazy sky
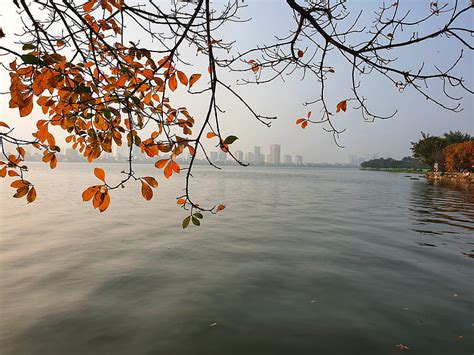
column 284, row 99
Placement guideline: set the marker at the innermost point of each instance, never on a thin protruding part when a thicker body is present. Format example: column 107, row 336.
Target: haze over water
column 302, row 261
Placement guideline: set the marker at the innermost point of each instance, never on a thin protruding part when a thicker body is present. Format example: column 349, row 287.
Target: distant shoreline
column 398, row 170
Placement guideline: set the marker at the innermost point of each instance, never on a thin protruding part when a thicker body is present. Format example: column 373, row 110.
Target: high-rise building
column 239, row 155
column 249, row 158
column 257, row 155
column 287, row 159
column 222, row 156
column 299, row 160
column 214, row 156
column 275, row 154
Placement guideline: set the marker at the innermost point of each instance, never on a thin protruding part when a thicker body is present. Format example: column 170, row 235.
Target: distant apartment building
column 257, row 155
column 249, row 157
column 275, row 151
column 299, row 160
column 213, row 156
column 287, row 159
column 222, row 157
column 239, row 155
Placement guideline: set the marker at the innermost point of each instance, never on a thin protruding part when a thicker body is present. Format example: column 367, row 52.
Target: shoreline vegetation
column 448, row 159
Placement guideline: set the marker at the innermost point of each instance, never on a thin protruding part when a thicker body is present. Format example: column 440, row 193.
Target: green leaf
column 196, row 221
column 107, row 113
column 198, row 215
column 136, row 100
column 30, row 59
column 230, row 139
column 28, row 47
column 186, row 222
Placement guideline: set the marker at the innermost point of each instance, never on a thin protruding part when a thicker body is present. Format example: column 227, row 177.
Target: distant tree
column 459, row 156
column 430, row 149
column 454, row 137
column 99, row 81
column 389, row 163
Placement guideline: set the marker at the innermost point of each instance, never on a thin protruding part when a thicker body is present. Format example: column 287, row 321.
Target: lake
column 301, row 261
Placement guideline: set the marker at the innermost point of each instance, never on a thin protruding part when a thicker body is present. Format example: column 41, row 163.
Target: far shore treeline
column 451, row 152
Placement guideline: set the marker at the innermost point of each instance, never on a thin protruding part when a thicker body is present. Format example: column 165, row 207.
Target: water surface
column 302, row 261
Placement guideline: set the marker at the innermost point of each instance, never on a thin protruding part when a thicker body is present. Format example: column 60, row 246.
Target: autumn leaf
column 89, row 193
column 181, row 201
column 300, row 53
column 151, row 181
column 3, row 124
column 105, row 202
column 220, row 208
column 161, row 163
column 254, row 66
column 88, row 5
column 27, row 106
column 31, row 197
column 342, row 105
column 100, row 174
column 211, row 135
column 147, row 192
column 304, row 124
column 173, row 83
column 19, row 183
column 300, row 120
column 183, row 79
column 22, row 191
column 193, row 79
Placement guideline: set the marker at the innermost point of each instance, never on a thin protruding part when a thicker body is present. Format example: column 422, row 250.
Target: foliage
column 459, row 156
column 389, row 163
column 93, row 79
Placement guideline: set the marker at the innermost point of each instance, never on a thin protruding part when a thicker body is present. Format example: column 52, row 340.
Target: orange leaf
column 3, row 171
column 27, row 107
column 181, row 201
column 304, row 124
column 161, row 163
column 147, row 192
column 31, row 195
column 89, row 193
column 53, row 162
column 19, row 183
column 105, row 202
column 100, row 174
column 168, row 171
column 175, row 166
column 193, row 79
column 211, row 135
column 341, row 106
column 3, row 124
column 151, row 181
column 22, row 191
column 173, row 83
column 88, row 5
column 300, row 120
column 182, row 78
column 220, row 208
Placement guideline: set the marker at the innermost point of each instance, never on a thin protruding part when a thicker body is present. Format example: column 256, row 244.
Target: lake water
column 302, row 261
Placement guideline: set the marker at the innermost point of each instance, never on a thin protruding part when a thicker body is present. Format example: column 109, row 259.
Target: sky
column 284, row 99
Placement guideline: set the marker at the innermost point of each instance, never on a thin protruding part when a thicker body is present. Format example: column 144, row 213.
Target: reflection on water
column 435, row 207
column 301, row 262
